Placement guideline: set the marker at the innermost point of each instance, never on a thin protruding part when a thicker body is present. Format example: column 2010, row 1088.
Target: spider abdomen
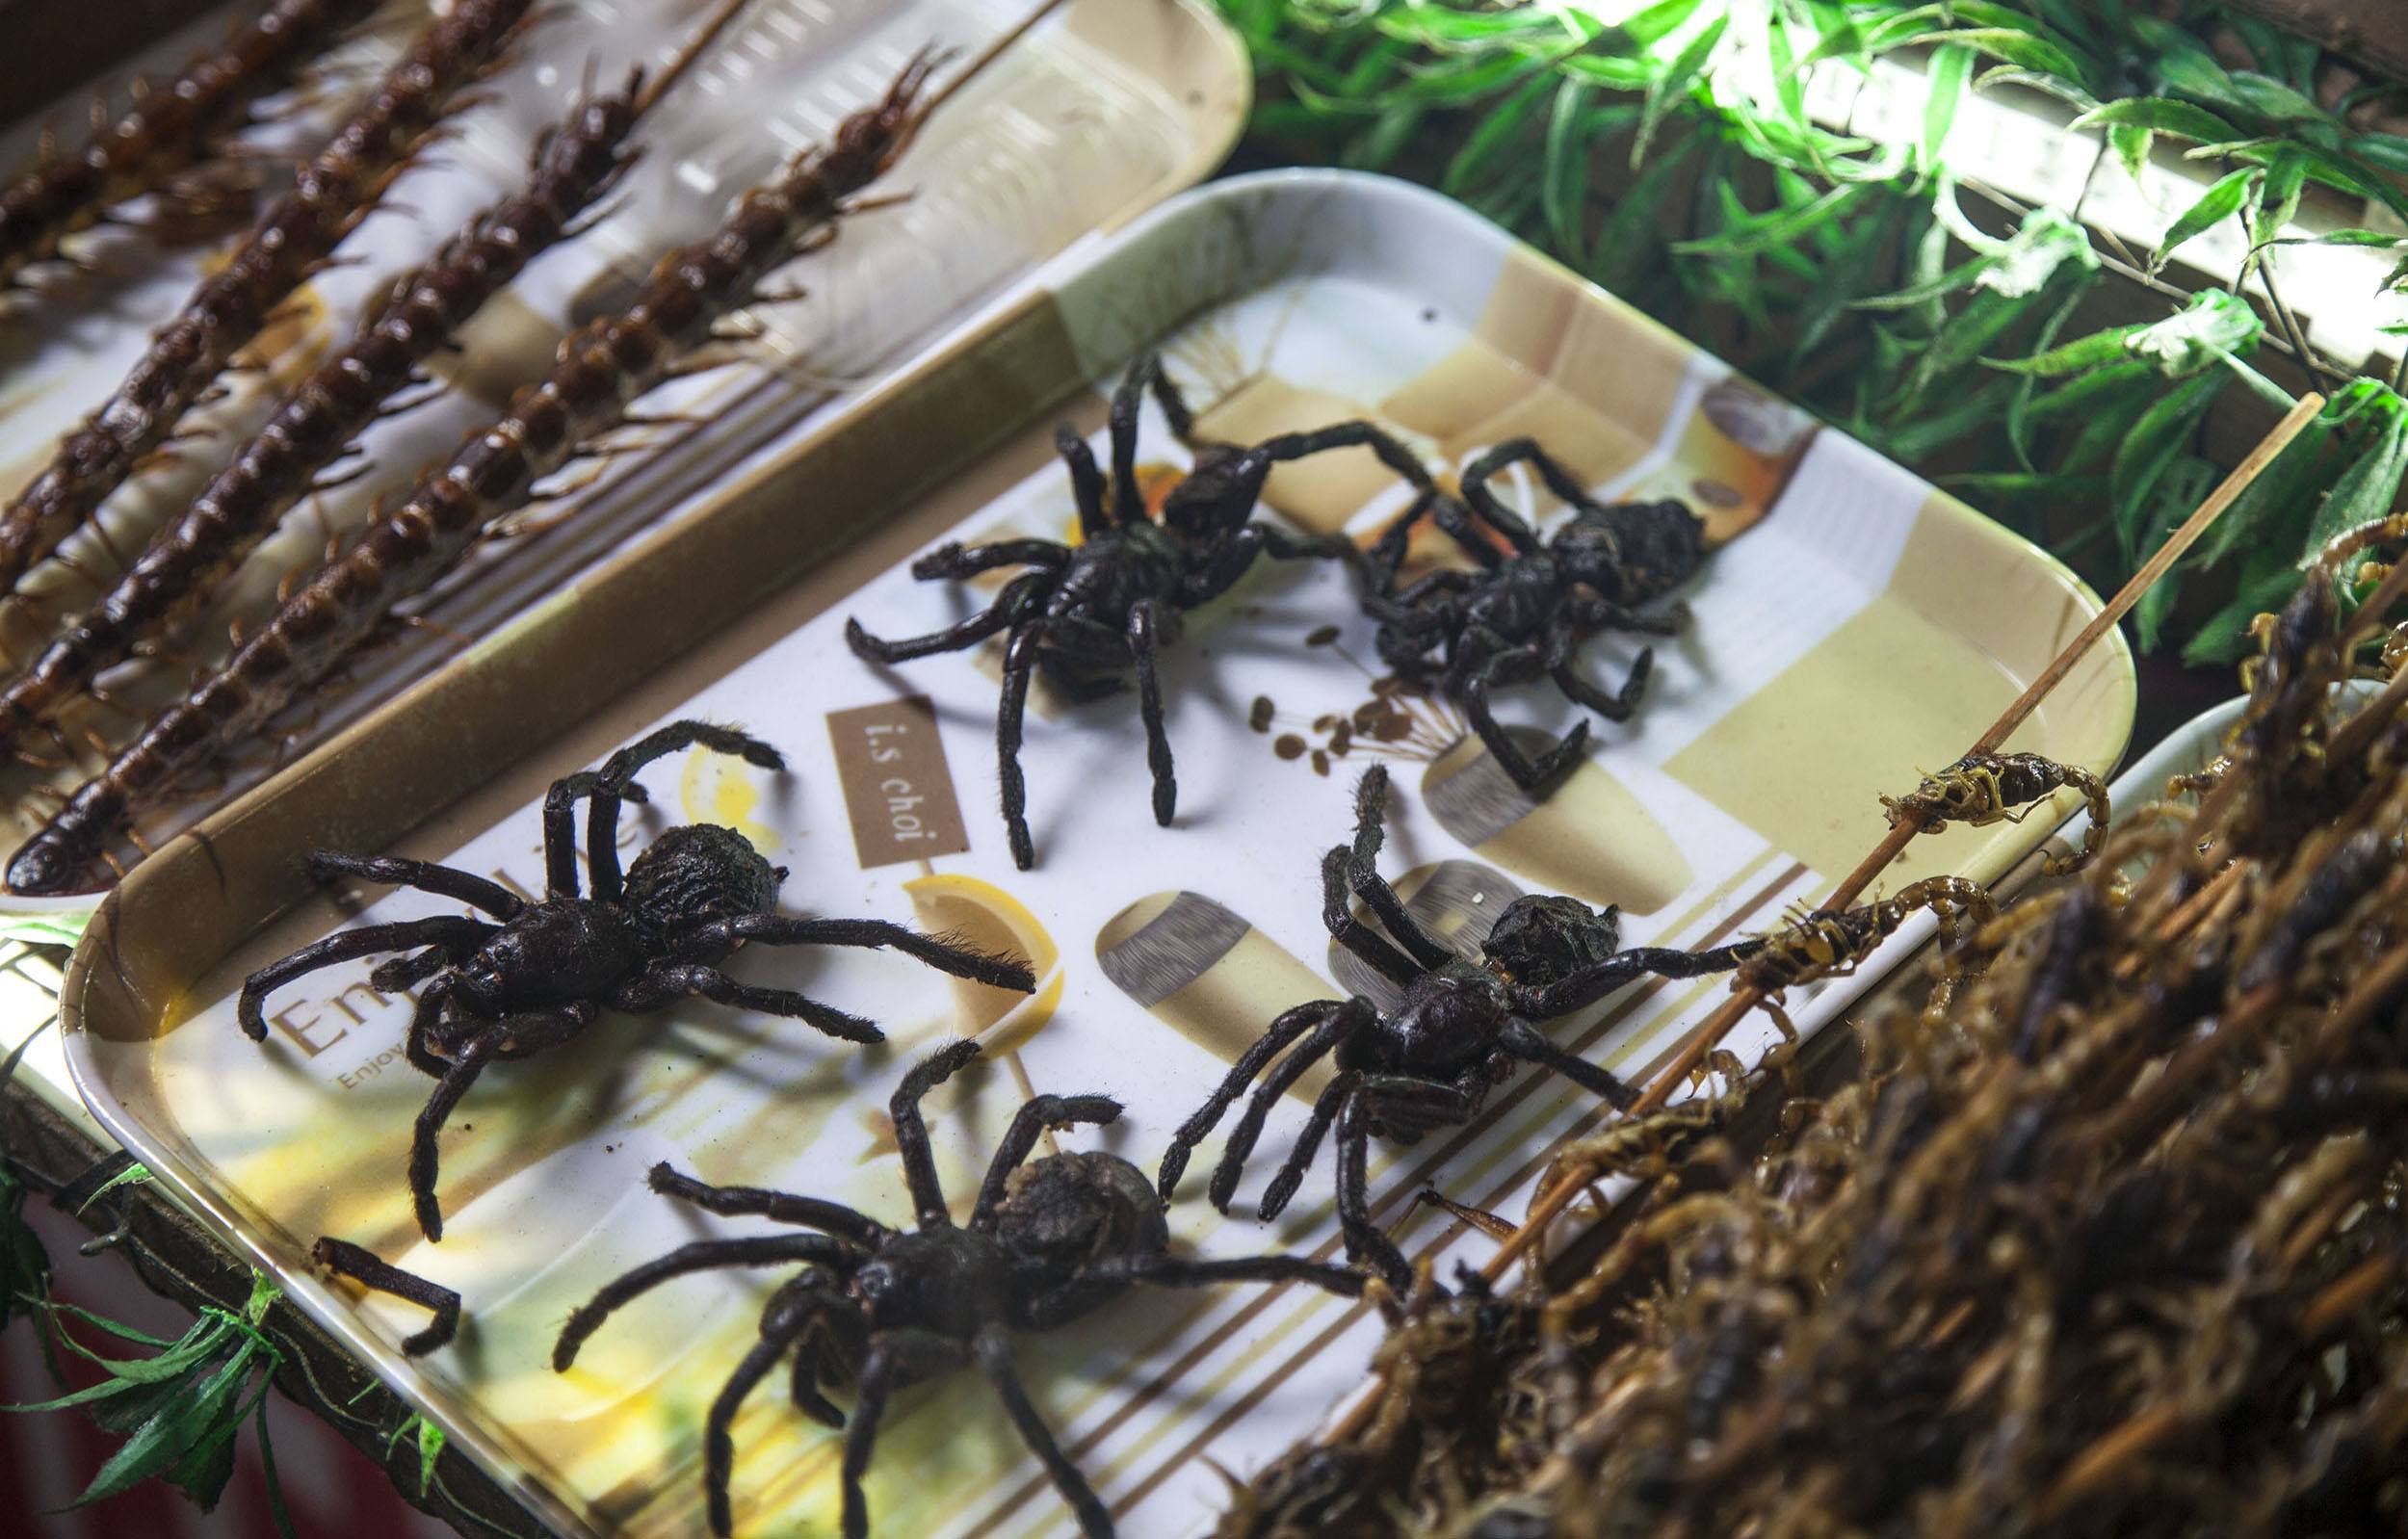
column 698, row 874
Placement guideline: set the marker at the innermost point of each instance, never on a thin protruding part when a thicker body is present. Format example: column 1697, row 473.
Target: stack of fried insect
column 602, row 371
column 2113, row 1241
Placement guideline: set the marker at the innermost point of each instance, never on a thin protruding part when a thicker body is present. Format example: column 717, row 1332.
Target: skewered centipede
column 168, row 130
column 575, row 163
column 602, row 369
column 292, row 241
column 1983, row 789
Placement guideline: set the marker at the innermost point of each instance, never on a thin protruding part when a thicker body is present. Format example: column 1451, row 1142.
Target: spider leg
column 1174, row 404
column 906, row 1355
column 1148, row 619
column 1351, row 932
column 911, row 1130
column 610, row 782
column 1388, row 551
column 1511, row 666
column 719, row 1443
column 1599, row 613
column 1087, row 481
column 422, row 1019
column 1370, row 801
column 1523, row 1040
column 754, row 1201
column 1451, row 516
column 701, row 1256
column 1365, row 1240
column 1616, row 706
column 1351, row 435
column 1341, row 1024
column 1308, row 1143
column 366, row 941
column 559, row 828
column 671, row 981
column 1042, row 1112
column 1181, row 1271
column 1593, row 984
column 780, row 929
column 1483, row 502
column 993, row 1348
column 815, row 1292
column 1019, row 662
column 1291, row 1025
column 1022, row 591
column 476, row 891
column 1128, row 506
column 956, row 562
column 372, row 1271
column 1236, row 555
column 512, row 1037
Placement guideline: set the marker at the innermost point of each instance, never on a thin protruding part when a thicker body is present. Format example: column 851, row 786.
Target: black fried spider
column 1087, row 611
column 1430, row 1063
column 1525, row 615
column 546, row 971
column 882, row 1308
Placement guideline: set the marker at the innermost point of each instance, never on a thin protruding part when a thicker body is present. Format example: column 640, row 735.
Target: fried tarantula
column 882, row 1308
column 1525, row 615
column 1432, row 1061
column 1087, row 611
column 538, row 975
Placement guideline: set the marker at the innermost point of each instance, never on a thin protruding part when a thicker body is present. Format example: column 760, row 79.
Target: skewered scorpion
column 1980, row 790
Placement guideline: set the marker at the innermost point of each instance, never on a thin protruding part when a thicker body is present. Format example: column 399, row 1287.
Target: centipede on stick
column 168, row 130
column 600, row 372
column 575, row 163
column 292, row 241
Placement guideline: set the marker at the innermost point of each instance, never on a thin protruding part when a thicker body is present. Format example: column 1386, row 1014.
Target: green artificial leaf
column 2278, row 203
column 2161, row 433
column 1496, row 135
column 2083, row 392
column 1950, row 67
column 2266, row 583
column 2014, row 48
column 2131, row 146
column 2077, row 356
column 133, row 1175
column 1674, row 83
column 429, row 1439
column 2368, row 490
column 2161, row 115
column 2040, row 248
column 2216, row 324
column 2018, row 399
column 1753, row 234
column 182, row 1422
column 1570, row 135
column 45, row 929
column 1628, row 239
column 2182, row 488
column 2217, row 204
column 2385, row 152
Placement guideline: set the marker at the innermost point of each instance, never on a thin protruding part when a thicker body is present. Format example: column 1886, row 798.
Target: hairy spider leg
column 1149, row 619
column 665, row 983
column 424, row 1016
column 911, row 1130
column 1287, row 445
column 1021, row 599
column 893, row 1354
column 1165, row 1270
column 783, row 1324
column 1371, row 805
column 785, row 1207
column 1455, row 520
column 1237, row 555
column 511, row 1036
column 1343, row 1023
column 1365, row 1240
column 1502, row 662
column 781, row 929
column 559, row 827
column 1594, row 983
column 372, row 1271
column 478, row 892
column 1291, row 1025
column 1388, row 551
column 1565, row 640
column 1524, row 1041
column 1290, row 1173
column 1020, row 1138
column 1087, row 483
column 448, row 930
column 610, row 782
column 701, row 1254
column 1020, row 657
column 992, row 1346
column 1506, row 522
column 956, row 560
column 1350, row 932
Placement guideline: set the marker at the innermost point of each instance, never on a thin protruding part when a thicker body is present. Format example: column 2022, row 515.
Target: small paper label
column 898, row 790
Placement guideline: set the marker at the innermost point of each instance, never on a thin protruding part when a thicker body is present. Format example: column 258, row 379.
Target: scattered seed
column 1323, row 637
column 1259, row 718
column 1289, row 746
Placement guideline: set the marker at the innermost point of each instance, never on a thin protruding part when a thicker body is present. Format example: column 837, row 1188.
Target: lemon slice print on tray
column 982, row 915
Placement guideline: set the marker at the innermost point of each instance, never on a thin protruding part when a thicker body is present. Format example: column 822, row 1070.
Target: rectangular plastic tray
column 1856, row 626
